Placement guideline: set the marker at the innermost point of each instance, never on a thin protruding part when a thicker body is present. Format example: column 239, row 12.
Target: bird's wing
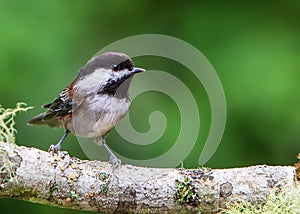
column 61, row 106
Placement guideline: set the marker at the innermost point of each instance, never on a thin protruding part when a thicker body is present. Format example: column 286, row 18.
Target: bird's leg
column 57, row 147
column 112, row 157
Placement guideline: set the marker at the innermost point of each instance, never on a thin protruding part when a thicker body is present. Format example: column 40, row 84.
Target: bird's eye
column 116, row 67
column 130, row 67
column 127, row 64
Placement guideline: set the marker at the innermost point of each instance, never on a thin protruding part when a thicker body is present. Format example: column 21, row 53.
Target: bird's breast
column 98, row 114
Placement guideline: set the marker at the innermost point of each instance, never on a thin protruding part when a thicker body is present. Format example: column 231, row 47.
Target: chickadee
column 92, row 104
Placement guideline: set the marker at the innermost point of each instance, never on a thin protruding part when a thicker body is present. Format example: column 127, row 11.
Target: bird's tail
column 41, row 119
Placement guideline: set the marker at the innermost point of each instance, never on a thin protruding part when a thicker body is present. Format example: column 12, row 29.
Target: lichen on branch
column 7, row 123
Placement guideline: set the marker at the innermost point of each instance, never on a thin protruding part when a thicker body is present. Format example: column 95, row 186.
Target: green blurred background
column 254, row 47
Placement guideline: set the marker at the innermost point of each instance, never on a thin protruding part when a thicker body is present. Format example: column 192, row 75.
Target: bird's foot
column 116, row 162
column 54, row 149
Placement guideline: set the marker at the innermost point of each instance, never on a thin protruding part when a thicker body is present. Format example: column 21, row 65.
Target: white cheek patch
column 93, row 80
column 98, row 78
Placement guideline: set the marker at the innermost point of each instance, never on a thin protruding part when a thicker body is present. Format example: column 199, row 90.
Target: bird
column 94, row 102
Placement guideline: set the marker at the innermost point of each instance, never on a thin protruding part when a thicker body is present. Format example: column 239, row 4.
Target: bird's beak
column 137, row 70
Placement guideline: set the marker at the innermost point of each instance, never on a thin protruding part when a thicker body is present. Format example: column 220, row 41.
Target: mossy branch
column 36, row 176
column 33, row 175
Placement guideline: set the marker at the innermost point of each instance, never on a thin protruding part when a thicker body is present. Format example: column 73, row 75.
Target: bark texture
column 36, row 176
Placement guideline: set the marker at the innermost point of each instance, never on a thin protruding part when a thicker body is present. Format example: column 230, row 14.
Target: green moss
column 54, row 187
column 74, row 195
column 287, row 202
column 25, row 191
column 103, row 176
column 186, row 193
column 104, row 189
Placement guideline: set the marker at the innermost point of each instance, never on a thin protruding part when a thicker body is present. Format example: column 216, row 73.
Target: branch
column 33, row 175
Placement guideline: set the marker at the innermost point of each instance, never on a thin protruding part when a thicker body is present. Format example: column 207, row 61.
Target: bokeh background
column 254, row 47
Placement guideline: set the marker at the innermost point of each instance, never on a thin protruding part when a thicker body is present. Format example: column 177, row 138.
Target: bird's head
column 108, row 74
